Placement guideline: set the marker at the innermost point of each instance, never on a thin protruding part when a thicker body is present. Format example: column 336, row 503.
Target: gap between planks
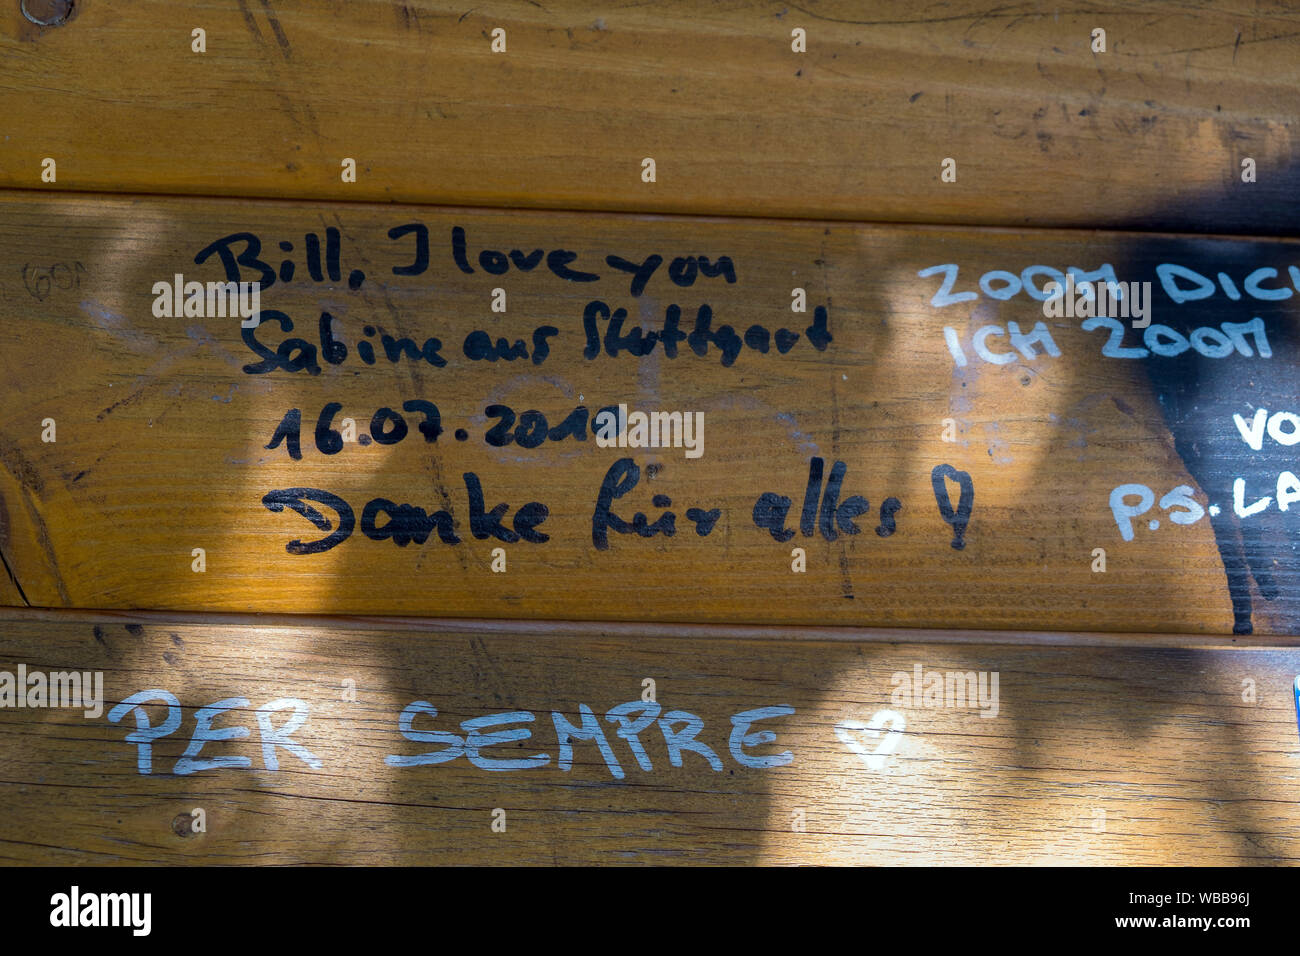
column 573, row 629
column 30, row 193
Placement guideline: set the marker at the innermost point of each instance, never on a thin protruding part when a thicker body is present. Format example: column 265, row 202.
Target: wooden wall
column 911, row 468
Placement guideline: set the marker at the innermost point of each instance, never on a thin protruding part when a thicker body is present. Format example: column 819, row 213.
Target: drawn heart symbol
column 850, row 731
column 785, row 340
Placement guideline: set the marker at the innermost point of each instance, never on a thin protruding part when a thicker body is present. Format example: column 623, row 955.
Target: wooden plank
column 1095, row 755
column 162, row 425
column 1151, row 132
column 10, row 595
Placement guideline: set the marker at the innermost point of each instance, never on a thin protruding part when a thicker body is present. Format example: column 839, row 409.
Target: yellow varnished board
column 1043, row 130
column 133, row 442
column 10, row 596
column 1091, row 755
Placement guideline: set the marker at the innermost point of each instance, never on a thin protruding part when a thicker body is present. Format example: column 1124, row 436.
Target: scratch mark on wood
column 280, row 37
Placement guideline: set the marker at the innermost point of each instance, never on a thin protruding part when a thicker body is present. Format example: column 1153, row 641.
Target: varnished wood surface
column 1144, row 714
column 10, row 596
column 1044, row 131
column 1097, row 755
column 162, row 433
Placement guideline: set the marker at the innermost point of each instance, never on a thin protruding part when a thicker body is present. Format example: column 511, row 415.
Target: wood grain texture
column 1097, row 755
column 10, row 595
column 1150, row 133
column 162, row 432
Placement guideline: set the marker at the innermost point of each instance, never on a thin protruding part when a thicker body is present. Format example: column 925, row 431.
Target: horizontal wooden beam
column 926, row 444
column 1044, row 125
column 1097, row 755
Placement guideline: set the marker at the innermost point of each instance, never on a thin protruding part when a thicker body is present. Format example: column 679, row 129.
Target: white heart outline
column 874, row 759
